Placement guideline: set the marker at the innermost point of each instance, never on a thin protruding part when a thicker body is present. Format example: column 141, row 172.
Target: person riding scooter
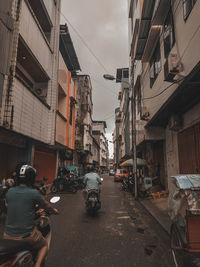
column 91, row 181
column 21, row 201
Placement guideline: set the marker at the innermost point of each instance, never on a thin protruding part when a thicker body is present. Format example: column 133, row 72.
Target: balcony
column 30, row 72
column 151, row 134
column 42, row 16
column 34, row 37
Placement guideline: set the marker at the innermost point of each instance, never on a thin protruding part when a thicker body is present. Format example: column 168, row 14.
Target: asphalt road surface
column 122, row 234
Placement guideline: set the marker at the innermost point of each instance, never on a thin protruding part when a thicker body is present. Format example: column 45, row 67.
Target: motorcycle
column 93, row 203
column 64, row 184
column 4, row 187
column 3, row 190
column 18, row 253
column 41, row 186
column 128, row 184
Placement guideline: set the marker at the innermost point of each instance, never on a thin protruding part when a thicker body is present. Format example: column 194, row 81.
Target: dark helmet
column 91, row 169
column 26, row 175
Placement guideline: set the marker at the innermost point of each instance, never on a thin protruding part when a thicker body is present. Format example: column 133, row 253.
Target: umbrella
column 129, row 162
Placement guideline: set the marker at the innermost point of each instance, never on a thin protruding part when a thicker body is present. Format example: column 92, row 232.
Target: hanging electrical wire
column 85, row 43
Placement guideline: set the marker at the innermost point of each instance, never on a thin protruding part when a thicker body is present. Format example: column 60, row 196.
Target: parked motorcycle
column 63, row 184
column 3, row 190
column 4, row 187
column 17, row 253
column 128, row 184
column 41, row 186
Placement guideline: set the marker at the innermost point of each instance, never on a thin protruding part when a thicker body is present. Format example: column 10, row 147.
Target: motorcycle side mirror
column 54, row 199
column 102, row 179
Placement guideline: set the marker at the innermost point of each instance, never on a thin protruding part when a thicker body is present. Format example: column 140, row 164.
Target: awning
column 151, row 43
column 67, row 50
column 145, row 23
column 129, row 162
column 189, row 181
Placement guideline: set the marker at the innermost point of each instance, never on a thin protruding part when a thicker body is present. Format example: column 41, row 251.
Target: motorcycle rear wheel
column 54, row 189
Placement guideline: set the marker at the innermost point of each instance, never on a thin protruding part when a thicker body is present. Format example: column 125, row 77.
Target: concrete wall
column 191, row 117
column 30, row 114
column 172, row 162
column 187, row 36
column 60, row 130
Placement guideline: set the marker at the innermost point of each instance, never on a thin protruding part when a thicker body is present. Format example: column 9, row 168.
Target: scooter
column 93, row 203
column 18, row 253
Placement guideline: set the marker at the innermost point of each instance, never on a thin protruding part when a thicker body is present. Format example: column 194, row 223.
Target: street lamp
column 133, row 122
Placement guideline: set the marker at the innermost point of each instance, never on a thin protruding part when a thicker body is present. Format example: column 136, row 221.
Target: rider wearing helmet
column 21, row 201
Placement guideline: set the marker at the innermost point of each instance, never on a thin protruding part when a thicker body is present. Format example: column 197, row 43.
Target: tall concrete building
column 28, row 83
column 165, row 79
column 66, row 99
column 84, row 109
column 122, row 77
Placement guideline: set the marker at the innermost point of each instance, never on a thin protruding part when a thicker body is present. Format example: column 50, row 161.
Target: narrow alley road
column 122, row 234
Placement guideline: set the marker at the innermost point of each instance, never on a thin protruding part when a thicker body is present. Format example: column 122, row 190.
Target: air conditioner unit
column 175, row 123
column 172, row 66
column 144, row 115
column 41, row 92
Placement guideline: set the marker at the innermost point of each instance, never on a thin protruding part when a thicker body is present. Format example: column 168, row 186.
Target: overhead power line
column 85, row 43
column 163, row 90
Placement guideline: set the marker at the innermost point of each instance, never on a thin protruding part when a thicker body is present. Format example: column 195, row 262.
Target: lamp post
column 133, row 123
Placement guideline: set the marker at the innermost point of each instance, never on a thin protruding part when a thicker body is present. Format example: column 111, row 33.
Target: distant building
column 116, row 138
column 66, row 98
column 84, row 138
column 98, row 131
column 124, row 126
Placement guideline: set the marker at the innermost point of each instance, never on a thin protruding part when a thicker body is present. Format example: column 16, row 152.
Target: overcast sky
column 103, row 24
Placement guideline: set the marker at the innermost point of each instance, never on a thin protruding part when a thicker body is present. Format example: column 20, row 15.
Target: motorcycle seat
column 8, row 246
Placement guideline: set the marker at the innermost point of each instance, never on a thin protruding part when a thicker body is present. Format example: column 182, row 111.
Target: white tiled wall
column 30, row 115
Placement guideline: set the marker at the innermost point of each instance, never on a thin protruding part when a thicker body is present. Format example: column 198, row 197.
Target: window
column 187, row 7
column 169, row 37
column 42, row 16
column 30, row 72
column 71, row 113
column 155, row 65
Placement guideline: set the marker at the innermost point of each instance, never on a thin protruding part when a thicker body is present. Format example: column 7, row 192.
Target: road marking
column 124, row 217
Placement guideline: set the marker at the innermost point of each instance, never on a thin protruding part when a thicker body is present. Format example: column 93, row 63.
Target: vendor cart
column 184, row 210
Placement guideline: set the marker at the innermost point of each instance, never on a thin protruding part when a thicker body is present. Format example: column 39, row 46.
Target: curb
column 155, row 218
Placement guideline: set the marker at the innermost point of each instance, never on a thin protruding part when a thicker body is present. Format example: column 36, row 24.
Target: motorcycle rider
column 91, row 181
column 21, row 201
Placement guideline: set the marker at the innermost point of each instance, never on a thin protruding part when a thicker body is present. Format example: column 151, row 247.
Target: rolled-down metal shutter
column 189, row 150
